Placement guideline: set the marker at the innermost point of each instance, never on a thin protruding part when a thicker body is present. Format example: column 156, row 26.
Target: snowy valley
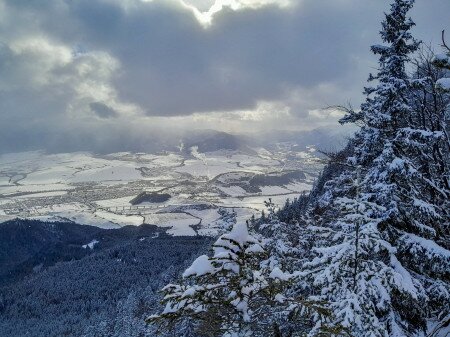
column 110, row 191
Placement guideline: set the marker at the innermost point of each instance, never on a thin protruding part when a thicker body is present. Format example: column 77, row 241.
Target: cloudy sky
column 92, row 74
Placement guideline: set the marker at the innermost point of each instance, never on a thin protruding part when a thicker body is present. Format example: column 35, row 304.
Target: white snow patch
column 120, row 219
column 277, row 273
column 443, row 83
column 233, row 191
column 201, row 266
column 90, row 245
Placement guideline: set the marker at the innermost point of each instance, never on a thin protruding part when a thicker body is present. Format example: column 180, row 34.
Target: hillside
column 59, row 281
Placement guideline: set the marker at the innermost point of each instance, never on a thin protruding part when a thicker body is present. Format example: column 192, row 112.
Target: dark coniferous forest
column 54, row 284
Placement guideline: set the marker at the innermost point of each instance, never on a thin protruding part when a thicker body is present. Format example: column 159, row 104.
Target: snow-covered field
column 97, row 190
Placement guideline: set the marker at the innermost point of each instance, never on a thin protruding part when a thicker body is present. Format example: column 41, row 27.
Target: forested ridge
column 63, row 279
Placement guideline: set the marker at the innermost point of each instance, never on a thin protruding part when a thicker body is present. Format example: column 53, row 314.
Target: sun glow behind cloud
column 205, row 17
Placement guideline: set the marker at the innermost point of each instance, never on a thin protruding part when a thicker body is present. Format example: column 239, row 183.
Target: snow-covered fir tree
column 383, row 265
column 431, row 146
column 227, row 220
column 240, row 291
column 286, row 250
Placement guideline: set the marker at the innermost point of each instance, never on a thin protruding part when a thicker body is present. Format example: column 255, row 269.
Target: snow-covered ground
column 97, row 190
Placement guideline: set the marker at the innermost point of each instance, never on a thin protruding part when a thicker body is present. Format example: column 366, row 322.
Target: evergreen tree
column 287, row 250
column 430, row 143
column 236, row 292
column 379, row 261
column 227, row 220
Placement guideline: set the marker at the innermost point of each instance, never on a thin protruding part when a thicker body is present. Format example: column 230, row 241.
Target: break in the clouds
column 93, row 74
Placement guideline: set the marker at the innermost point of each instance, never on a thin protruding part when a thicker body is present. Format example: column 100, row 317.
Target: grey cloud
column 172, row 66
column 175, row 67
column 102, row 110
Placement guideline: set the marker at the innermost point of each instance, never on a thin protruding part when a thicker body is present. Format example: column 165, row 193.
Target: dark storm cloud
column 173, row 66
column 64, row 63
column 102, row 110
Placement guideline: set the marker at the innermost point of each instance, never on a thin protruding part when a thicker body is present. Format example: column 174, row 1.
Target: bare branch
column 443, row 41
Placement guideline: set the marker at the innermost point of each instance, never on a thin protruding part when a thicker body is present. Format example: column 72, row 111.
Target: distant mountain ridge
column 208, row 140
column 321, row 138
column 211, row 140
